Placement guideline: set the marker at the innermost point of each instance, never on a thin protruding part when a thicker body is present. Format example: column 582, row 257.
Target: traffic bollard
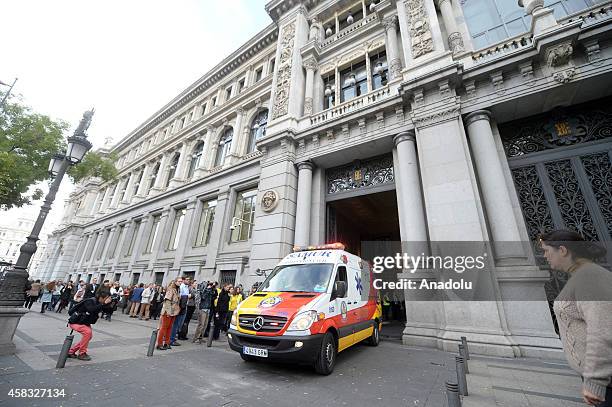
column 61, row 361
column 152, row 342
column 463, row 354
column 452, row 394
column 461, row 379
column 211, row 332
column 465, row 346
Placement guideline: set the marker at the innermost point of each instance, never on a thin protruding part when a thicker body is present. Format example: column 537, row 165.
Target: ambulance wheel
column 374, row 340
column 247, row 358
column 326, row 360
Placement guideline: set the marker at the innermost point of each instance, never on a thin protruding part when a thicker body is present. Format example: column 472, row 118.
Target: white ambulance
column 316, row 302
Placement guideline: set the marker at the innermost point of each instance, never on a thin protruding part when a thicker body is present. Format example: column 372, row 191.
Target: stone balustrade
column 351, row 105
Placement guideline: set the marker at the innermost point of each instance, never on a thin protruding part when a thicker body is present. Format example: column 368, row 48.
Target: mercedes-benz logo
column 258, row 323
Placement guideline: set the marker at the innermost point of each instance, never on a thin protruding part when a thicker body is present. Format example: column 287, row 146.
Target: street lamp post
column 13, row 282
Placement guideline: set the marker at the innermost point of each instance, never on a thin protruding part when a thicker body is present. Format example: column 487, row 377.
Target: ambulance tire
column 326, row 359
column 247, row 358
column 374, row 340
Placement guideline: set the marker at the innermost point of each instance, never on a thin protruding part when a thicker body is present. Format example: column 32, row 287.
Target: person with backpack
column 82, row 316
column 204, row 297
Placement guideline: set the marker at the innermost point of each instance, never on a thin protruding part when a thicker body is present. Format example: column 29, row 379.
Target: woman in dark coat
column 66, row 294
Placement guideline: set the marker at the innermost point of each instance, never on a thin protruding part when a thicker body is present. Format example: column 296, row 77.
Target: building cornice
column 260, row 41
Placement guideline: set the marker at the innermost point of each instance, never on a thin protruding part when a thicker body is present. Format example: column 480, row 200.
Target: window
column 115, row 241
column 190, row 117
column 244, row 215
column 135, row 278
column 82, row 249
column 159, row 277
column 214, row 101
column 173, row 165
column 223, row 149
column 380, row 70
column 153, row 234
column 341, row 276
column 240, row 85
column 196, row 156
column 177, row 227
column 99, row 200
column 228, row 93
column 258, row 74
column 354, row 82
column 137, row 183
column 228, row 277
column 207, row 217
column 271, row 66
column 182, row 123
column 154, row 175
column 91, row 246
column 258, row 129
column 132, row 241
column 329, row 93
column 203, row 111
column 102, row 244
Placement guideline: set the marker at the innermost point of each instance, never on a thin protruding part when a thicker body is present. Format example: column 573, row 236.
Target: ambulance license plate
column 262, row 353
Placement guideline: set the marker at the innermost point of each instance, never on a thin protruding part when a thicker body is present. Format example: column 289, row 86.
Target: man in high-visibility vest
column 386, row 306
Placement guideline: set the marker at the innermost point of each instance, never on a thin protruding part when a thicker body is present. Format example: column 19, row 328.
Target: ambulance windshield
column 308, row 278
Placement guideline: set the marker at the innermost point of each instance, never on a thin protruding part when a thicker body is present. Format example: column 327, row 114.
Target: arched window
column 258, row 129
column 196, row 156
column 225, row 144
column 173, row 165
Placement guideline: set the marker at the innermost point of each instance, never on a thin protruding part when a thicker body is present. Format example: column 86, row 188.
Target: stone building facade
column 411, row 120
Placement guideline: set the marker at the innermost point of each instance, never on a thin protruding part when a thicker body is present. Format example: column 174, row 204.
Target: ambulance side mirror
column 339, row 290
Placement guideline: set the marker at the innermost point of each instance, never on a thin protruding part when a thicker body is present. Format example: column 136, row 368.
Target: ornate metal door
column 561, row 163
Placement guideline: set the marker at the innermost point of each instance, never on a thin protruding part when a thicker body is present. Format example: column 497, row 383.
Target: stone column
column 395, row 65
column 455, row 40
column 302, row 211
column 492, row 182
column 236, row 137
column 136, row 250
column 413, row 227
column 128, row 188
column 161, row 176
column 205, row 159
column 144, row 181
column 542, row 18
column 180, row 166
column 311, row 66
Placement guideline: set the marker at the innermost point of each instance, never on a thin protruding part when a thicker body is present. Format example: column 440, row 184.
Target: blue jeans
column 178, row 323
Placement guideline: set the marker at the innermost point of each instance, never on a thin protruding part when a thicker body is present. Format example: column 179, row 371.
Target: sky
column 125, row 58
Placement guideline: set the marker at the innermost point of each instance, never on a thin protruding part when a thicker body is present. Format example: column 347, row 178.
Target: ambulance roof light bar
column 329, row 246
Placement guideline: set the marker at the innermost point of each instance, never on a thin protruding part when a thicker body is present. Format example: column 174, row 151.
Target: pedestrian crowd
column 174, row 305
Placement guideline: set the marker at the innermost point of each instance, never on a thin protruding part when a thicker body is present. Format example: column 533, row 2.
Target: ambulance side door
column 342, row 304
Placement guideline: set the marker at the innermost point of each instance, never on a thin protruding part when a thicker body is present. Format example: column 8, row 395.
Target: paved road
column 121, row 374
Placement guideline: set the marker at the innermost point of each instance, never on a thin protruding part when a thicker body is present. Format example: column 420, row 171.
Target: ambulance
column 317, row 302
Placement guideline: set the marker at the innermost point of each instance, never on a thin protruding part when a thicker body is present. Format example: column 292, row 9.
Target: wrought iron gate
column 561, row 163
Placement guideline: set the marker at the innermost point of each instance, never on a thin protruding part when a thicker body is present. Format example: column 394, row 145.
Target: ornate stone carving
column 437, row 117
column 399, row 113
column 380, row 120
column 559, row 55
column 593, row 52
column 444, row 88
column 419, row 98
column 421, row 40
column 455, row 42
column 345, row 130
column 361, row 174
column 526, row 69
column 470, row 88
column 564, row 76
column 361, row 123
column 310, row 63
column 269, row 200
column 330, row 136
column 315, row 141
column 497, row 79
column 389, row 22
column 301, row 147
column 283, row 78
column 395, row 68
column 307, row 105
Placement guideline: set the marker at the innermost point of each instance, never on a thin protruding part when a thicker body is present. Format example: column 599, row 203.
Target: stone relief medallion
column 269, row 200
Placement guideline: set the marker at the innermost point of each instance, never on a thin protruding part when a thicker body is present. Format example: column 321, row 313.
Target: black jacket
column 223, row 302
column 91, row 307
column 207, row 297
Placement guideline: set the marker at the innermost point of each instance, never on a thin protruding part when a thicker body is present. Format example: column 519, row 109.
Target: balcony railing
column 502, row 48
column 351, row 105
column 349, row 30
column 591, row 15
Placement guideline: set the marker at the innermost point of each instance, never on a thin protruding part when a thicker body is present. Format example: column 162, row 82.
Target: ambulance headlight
column 234, row 319
column 303, row 321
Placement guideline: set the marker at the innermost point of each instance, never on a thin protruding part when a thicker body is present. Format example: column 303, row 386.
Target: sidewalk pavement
column 390, row 375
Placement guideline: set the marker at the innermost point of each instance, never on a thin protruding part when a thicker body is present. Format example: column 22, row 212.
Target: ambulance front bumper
column 280, row 348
